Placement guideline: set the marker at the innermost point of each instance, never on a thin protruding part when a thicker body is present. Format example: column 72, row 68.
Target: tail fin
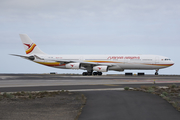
column 29, row 46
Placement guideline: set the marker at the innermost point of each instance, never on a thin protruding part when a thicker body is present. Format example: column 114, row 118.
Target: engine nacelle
column 73, row 65
column 100, row 68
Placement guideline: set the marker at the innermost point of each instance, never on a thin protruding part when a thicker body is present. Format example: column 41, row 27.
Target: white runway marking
column 103, row 89
column 78, row 90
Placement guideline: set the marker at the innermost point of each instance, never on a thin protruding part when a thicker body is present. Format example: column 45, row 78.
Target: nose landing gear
column 156, row 73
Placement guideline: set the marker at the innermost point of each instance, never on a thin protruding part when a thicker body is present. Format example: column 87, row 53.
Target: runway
column 37, row 80
column 105, row 96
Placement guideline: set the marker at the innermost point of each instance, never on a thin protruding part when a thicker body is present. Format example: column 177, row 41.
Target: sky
column 89, row 27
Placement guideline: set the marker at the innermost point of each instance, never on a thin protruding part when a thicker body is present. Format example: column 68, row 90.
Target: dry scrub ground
column 59, row 105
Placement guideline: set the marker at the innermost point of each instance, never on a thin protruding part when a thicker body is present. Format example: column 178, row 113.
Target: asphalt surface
column 106, row 104
column 74, row 87
column 36, row 80
column 80, row 77
column 127, row 105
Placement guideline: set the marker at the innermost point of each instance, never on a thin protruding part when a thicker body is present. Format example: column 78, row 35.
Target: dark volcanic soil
column 64, row 106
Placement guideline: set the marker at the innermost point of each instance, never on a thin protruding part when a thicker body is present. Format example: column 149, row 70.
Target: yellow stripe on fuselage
column 50, row 63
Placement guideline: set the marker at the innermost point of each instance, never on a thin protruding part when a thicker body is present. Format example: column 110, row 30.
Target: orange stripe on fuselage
column 103, row 61
column 30, row 49
column 50, row 63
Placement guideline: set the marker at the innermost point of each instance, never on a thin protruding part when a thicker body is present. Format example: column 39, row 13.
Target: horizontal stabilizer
column 24, row 56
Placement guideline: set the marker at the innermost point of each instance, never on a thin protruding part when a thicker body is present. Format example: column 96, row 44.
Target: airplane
column 93, row 64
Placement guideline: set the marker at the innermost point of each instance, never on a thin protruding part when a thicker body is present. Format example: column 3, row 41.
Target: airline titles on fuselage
column 122, row 57
column 111, row 57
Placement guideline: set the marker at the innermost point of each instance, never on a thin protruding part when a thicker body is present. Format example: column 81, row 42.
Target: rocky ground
column 60, row 105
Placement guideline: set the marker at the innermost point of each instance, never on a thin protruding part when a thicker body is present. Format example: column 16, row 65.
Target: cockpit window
column 167, row 59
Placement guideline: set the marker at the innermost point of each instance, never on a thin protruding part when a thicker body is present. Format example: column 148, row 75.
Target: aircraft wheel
column 89, row 73
column 84, row 73
column 95, row 73
column 99, row 73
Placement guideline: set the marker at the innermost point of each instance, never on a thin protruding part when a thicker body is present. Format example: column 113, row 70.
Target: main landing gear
column 156, row 73
column 91, row 73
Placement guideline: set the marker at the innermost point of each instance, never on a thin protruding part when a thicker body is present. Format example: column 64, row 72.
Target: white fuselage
column 115, row 62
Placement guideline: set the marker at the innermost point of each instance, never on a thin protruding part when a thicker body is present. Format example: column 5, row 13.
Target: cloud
column 93, row 21
column 97, row 10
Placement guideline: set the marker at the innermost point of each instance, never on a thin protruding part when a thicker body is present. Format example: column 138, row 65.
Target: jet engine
column 73, row 65
column 100, row 68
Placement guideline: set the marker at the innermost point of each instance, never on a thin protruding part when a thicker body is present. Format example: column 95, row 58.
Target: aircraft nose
column 172, row 63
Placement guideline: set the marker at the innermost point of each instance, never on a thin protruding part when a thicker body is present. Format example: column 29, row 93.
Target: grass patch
column 173, row 86
column 144, row 87
column 10, row 96
column 1, row 97
column 165, row 93
column 62, row 91
column 150, row 89
column 126, row 88
column 31, row 95
column 82, row 96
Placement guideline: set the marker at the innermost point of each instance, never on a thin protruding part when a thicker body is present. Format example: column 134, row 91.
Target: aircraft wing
column 87, row 64
column 83, row 64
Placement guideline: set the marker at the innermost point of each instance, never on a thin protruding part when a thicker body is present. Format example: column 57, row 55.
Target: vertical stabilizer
column 29, row 46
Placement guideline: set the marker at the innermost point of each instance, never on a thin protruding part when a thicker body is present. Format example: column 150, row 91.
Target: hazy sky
column 89, row 27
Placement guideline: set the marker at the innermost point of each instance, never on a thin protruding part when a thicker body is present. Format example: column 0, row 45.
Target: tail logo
column 30, row 47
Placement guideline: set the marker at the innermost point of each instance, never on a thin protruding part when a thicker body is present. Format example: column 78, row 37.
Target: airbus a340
column 94, row 64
